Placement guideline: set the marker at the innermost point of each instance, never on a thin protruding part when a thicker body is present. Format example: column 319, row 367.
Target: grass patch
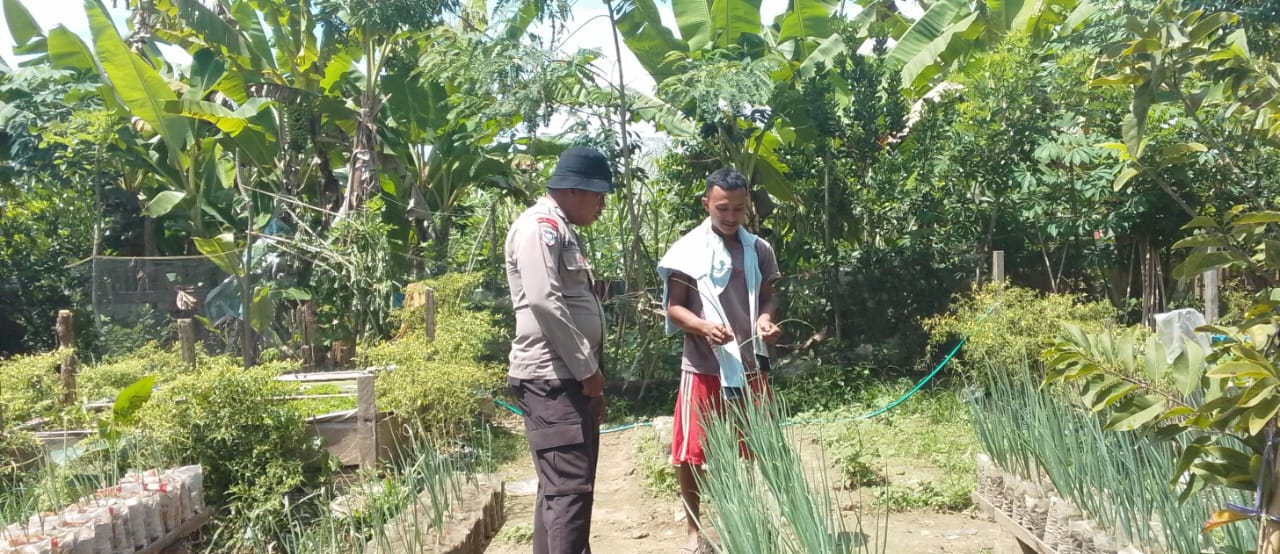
column 654, row 465
column 515, row 533
column 918, row 455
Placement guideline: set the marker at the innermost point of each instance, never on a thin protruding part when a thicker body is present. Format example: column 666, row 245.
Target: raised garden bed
column 467, row 529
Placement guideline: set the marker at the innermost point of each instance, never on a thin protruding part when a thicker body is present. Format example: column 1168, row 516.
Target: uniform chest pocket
column 575, row 272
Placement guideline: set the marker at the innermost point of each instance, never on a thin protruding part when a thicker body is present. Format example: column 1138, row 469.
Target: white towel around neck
column 702, row 255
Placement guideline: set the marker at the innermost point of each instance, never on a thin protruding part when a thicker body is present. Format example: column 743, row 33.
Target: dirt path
column 628, row 519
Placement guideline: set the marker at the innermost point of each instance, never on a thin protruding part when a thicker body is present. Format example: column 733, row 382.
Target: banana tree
column 180, row 152
column 460, row 113
column 305, row 70
column 724, row 68
column 951, row 30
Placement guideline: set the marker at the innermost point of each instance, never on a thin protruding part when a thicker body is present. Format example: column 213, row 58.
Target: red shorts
column 700, row 392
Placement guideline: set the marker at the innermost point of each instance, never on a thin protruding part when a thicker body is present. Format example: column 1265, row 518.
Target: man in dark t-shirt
column 711, row 329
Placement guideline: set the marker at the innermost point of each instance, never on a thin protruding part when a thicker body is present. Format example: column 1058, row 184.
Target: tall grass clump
column 767, row 502
column 1120, row 480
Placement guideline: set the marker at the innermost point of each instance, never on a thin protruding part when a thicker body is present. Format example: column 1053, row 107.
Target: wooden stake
column 70, row 367
column 65, row 329
column 997, row 266
column 187, row 339
column 429, row 312
column 367, row 421
column 310, row 353
column 342, row 354
column 1211, row 296
column 66, row 333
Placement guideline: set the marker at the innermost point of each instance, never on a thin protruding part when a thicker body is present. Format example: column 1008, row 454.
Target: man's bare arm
column 679, row 288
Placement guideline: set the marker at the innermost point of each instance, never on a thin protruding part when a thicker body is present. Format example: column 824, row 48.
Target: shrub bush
column 223, row 417
column 437, row 384
column 29, row 387
column 1019, row 326
column 18, row 449
column 438, row 394
column 105, row 380
column 466, row 329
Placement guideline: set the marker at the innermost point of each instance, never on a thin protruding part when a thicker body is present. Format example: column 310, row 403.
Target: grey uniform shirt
column 559, row 321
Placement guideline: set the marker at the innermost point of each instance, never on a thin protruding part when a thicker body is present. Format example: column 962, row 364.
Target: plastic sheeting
column 1173, row 327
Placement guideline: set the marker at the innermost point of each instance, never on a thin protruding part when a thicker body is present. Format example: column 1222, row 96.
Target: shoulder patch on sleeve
column 550, row 221
column 550, row 237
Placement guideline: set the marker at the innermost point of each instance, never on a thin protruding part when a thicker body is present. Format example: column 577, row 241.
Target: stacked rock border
column 468, row 528
column 1041, row 520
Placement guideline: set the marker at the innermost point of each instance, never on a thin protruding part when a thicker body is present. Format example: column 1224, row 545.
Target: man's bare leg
column 688, row 474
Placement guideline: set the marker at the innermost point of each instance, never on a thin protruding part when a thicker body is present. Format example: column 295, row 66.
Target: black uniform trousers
column 563, row 429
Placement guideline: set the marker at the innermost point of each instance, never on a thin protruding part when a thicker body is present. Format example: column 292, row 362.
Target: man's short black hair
column 726, row 178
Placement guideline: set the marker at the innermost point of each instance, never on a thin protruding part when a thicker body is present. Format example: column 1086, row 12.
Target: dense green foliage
column 1008, row 326
column 29, row 387
column 333, row 157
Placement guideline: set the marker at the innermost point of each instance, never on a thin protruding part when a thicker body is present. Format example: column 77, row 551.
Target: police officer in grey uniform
column 556, row 374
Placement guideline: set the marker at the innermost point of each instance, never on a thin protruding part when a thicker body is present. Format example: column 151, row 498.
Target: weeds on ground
column 654, row 465
column 919, row 454
column 515, row 533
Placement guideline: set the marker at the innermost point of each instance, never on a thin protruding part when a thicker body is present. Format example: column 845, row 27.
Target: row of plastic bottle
column 139, row 510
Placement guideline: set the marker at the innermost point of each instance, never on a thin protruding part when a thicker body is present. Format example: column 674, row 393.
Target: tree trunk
column 833, row 269
column 1153, row 298
column 363, row 178
column 66, row 334
column 248, row 342
column 440, row 234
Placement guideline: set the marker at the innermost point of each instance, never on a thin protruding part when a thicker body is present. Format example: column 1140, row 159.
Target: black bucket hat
column 582, row 168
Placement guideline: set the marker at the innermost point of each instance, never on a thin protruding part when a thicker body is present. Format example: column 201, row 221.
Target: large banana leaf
column 417, row 107
column 28, row 38
column 135, row 83
column 642, row 29
column 22, row 27
column 806, row 22
column 925, row 64
column 206, row 70
column 216, row 32
column 694, row 19
column 732, row 19
column 519, row 24
column 250, row 24
column 67, row 51
column 663, row 115
column 227, row 121
column 1013, row 15
column 924, row 33
column 826, row 51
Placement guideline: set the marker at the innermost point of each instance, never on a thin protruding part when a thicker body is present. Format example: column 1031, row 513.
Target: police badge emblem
column 549, row 237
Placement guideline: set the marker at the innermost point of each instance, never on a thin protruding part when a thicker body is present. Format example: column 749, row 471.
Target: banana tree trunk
column 440, row 231
column 363, row 167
